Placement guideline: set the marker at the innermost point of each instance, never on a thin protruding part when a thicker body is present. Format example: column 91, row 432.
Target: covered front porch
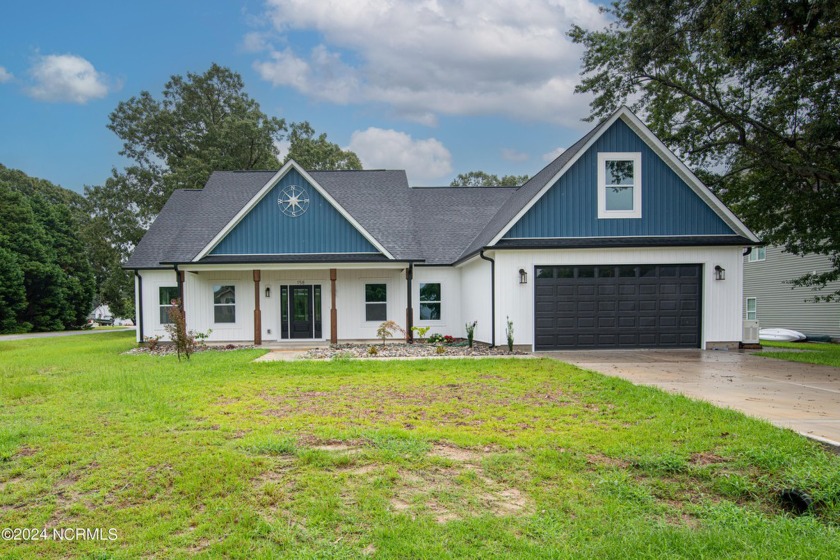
column 295, row 303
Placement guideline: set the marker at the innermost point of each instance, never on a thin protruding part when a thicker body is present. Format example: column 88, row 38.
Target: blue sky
column 434, row 87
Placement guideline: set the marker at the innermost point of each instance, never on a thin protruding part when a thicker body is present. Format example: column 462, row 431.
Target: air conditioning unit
column 750, row 332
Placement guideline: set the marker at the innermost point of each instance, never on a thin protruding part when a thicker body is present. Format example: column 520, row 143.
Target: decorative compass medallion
column 293, row 201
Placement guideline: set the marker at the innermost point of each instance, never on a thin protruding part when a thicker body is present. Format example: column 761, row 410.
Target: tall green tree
column 46, row 279
column 747, row 92
column 482, row 179
column 315, row 152
column 200, row 123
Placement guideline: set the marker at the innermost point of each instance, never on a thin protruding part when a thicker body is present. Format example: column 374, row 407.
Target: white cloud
column 282, row 147
column 68, row 78
column 509, row 154
column 5, row 75
column 553, row 154
column 423, row 160
column 426, row 58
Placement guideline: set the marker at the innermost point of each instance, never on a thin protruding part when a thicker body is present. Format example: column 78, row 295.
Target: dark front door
column 302, row 320
column 635, row 306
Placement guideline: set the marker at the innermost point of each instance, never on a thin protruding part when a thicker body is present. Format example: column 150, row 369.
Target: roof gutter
column 492, row 298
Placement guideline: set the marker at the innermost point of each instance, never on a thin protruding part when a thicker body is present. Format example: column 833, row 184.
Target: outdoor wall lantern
column 523, row 276
column 268, row 291
column 720, row 272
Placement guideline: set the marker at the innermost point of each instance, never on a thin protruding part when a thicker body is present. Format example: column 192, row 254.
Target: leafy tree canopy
column 482, row 179
column 316, row 152
column 747, row 92
column 199, row 124
column 46, row 280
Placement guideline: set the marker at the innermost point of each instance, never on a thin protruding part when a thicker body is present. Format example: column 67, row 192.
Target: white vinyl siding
column 722, row 301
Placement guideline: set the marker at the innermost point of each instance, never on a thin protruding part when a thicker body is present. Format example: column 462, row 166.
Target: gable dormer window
column 619, row 185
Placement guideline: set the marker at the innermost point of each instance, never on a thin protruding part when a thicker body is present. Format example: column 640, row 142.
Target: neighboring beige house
column 775, row 303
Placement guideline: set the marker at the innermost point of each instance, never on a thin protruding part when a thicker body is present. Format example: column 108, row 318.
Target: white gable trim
column 291, row 164
column 667, row 156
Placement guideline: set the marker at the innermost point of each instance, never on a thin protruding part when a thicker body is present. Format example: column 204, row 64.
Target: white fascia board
column 291, row 164
column 657, row 146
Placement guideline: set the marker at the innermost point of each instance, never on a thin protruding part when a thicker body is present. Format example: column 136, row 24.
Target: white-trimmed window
column 224, row 304
column 167, row 299
column 430, row 301
column 376, row 302
column 619, row 185
column 751, row 309
column 757, row 254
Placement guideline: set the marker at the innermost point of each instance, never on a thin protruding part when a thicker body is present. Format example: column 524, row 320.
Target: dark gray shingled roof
column 447, row 219
column 439, row 225
column 525, row 193
column 435, row 225
column 186, row 224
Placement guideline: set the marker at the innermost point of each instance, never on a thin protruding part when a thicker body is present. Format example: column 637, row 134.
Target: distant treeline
column 46, row 278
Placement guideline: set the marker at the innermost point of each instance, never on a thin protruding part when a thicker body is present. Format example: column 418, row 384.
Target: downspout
column 492, row 298
column 180, row 280
column 409, row 310
column 747, row 251
column 140, row 303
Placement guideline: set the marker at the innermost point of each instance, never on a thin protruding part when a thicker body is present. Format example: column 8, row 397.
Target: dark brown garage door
column 647, row 306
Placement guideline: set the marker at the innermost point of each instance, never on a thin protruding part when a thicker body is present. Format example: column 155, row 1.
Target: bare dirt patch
column 603, row 460
column 447, row 495
column 6, row 483
column 460, row 454
column 26, row 451
column 706, row 458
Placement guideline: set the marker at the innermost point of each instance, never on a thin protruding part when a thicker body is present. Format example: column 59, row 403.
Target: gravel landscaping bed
column 402, row 350
column 163, row 349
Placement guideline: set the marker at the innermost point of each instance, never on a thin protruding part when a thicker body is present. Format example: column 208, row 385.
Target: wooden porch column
column 409, row 311
column 333, row 311
column 257, row 313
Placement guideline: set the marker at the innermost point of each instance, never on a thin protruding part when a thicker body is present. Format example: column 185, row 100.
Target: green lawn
column 222, row 457
column 806, row 352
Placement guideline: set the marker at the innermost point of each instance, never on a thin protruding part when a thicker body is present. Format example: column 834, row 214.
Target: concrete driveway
column 802, row 397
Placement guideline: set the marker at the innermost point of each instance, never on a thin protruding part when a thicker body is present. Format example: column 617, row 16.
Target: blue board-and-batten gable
column 570, row 207
column 266, row 230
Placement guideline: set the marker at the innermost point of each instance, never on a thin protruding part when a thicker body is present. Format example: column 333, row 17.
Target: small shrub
column 421, row 331
column 387, row 330
column 201, row 338
column 152, row 342
column 372, row 351
column 440, row 350
column 435, row 338
column 470, row 332
column 182, row 339
column 509, row 334
column 448, row 339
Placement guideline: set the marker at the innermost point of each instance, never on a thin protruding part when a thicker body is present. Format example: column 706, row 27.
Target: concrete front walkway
column 802, row 397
